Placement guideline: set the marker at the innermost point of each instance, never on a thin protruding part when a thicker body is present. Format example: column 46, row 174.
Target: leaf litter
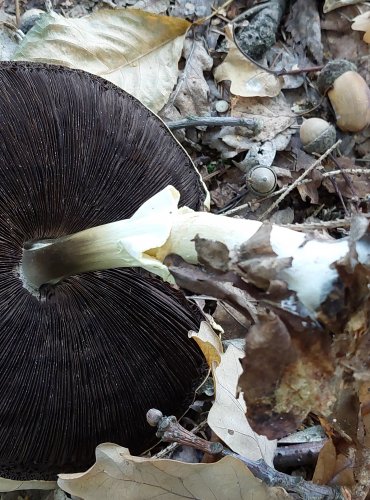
column 291, row 375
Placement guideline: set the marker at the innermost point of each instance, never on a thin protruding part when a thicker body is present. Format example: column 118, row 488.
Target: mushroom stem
column 159, row 229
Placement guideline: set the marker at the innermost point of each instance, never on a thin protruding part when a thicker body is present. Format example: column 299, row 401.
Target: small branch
column 214, row 121
column 172, row 446
column 300, row 178
column 171, row 431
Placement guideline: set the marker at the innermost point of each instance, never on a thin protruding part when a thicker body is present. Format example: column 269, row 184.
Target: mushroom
column 83, row 360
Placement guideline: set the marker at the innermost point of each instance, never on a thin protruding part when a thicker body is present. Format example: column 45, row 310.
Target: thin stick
column 300, row 178
column 17, row 13
column 213, row 121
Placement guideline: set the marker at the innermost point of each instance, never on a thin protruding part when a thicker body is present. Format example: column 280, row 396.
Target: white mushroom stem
column 160, row 228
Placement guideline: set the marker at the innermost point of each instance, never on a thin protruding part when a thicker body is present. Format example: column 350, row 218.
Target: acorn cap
column 82, row 362
column 331, row 71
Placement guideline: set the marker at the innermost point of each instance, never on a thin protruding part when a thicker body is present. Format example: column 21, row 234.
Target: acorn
column 261, row 180
column 317, row 135
column 348, row 93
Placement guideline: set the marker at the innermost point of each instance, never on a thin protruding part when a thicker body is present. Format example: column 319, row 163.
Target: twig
column 171, row 431
column 300, row 178
column 17, row 13
column 213, row 121
column 171, row 447
column 305, row 181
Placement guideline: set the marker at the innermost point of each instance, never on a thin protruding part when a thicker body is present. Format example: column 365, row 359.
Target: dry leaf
column 209, row 343
column 362, row 23
column 227, row 416
column 304, row 25
column 337, row 4
column 136, row 50
column 191, row 96
column 325, row 467
column 247, row 79
column 273, row 114
column 154, row 6
column 117, row 475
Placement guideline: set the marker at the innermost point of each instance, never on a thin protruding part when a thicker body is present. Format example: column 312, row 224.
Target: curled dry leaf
column 227, row 417
column 333, row 467
column 125, row 46
column 247, row 79
column 116, row 475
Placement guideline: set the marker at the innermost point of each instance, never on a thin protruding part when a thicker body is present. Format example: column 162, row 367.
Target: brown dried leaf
column 213, row 255
column 274, row 115
column 257, row 262
column 281, row 390
column 325, row 466
column 364, row 396
column 333, row 467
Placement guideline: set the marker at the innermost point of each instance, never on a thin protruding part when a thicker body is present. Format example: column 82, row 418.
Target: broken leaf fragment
column 116, row 475
column 125, row 46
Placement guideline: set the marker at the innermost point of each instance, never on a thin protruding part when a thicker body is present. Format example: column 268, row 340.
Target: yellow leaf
column 209, row 343
column 136, row 50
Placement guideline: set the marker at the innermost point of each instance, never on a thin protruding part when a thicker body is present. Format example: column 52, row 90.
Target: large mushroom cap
column 82, row 361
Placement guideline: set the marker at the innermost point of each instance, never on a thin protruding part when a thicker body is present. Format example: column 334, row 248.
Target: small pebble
column 222, row 106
